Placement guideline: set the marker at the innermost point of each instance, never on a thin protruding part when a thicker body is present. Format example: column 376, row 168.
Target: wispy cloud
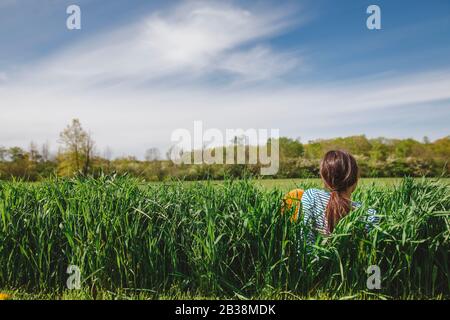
column 258, row 64
column 194, row 40
column 130, row 120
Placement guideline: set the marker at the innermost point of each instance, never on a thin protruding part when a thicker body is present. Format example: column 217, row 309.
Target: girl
column 321, row 209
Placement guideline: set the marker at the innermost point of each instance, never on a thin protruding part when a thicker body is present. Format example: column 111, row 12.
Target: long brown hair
column 339, row 172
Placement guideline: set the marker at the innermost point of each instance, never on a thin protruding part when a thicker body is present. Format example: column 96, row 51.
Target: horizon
column 107, row 153
column 136, row 72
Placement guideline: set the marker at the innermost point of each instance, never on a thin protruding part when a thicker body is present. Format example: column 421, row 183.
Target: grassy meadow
column 286, row 185
column 212, row 240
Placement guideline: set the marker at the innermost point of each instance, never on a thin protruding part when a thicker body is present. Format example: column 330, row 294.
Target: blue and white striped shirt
column 314, row 204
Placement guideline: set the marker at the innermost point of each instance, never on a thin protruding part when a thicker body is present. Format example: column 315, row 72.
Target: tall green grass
column 222, row 240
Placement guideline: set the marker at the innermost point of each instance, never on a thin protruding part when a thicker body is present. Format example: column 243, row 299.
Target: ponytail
column 337, row 207
column 340, row 172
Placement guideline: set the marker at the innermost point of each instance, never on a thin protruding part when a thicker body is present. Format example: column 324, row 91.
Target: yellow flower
column 4, row 296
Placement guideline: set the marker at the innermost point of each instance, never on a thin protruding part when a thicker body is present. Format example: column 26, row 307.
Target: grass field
column 289, row 184
column 218, row 240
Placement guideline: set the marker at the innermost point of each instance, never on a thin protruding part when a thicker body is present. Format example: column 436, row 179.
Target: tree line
column 77, row 155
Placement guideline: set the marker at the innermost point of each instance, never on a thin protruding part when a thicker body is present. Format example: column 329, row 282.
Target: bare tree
column 34, row 152
column 152, row 154
column 88, row 153
column 45, row 152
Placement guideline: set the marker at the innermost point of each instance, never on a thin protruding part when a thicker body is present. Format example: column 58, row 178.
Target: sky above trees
column 138, row 70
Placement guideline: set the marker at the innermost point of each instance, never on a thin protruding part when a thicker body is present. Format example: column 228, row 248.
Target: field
column 286, row 185
column 289, row 184
column 218, row 240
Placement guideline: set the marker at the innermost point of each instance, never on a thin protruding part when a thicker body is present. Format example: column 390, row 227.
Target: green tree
column 441, row 148
column 290, row 148
column 380, row 150
column 18, row 164
column 409, row 148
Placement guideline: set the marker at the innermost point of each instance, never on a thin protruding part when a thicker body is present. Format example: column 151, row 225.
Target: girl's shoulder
column 315, row 193
column 316, row 197
column 314, row 203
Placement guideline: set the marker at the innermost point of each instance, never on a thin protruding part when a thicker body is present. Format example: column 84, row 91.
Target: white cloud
column 131, row 120
column 194, row 40
column 259, row 63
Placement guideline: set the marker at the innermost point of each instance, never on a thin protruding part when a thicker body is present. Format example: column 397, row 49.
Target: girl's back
column 314, row 204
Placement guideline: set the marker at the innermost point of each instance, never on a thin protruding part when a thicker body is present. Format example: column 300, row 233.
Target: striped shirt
column 314, row 204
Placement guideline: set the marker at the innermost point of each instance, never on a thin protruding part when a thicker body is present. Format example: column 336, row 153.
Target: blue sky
column 138, row 70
